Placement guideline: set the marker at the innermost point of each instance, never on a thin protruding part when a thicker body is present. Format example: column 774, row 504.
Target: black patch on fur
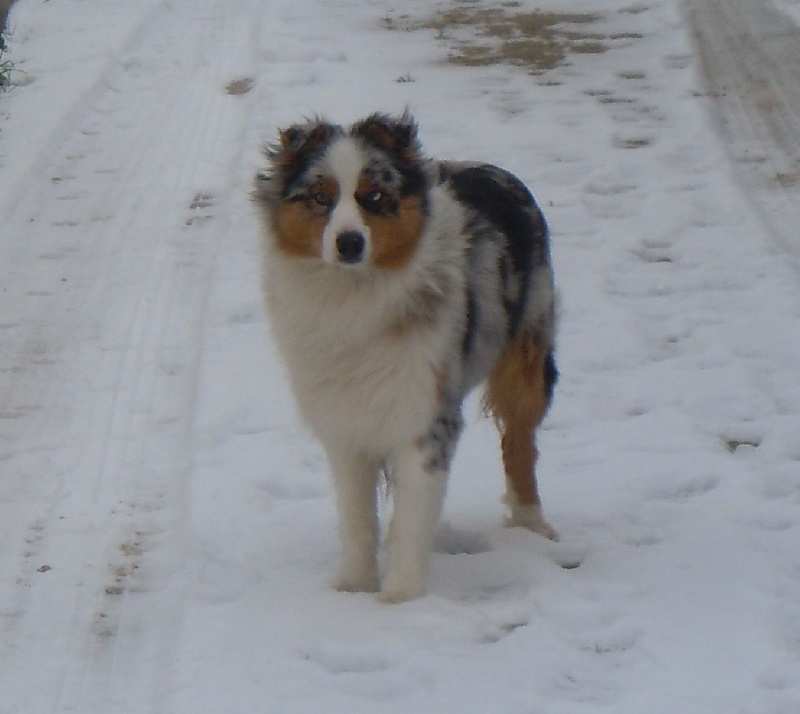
column 470, row 328
column 415, row 183
column 503, row 200
column 439, row 443
column 550, row 376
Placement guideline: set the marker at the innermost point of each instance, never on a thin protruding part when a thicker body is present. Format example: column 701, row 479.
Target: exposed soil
column 534, row 40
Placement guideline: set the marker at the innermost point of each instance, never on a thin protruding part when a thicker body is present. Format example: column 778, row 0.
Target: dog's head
column 354, row 197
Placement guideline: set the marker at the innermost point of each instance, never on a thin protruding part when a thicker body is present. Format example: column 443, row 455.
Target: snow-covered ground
column 166, row 525
column 790, row 7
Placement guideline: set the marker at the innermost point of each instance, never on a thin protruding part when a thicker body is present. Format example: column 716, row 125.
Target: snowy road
column 751, row 56
column 166, row 525
column 108, row 261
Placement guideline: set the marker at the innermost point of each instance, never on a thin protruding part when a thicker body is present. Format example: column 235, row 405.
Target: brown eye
column 322, row 199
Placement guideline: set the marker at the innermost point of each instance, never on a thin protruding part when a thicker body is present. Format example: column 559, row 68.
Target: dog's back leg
column 518, row 393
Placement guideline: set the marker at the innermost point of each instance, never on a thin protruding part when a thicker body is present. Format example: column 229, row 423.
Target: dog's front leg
column 419, row 481
column 355, row 480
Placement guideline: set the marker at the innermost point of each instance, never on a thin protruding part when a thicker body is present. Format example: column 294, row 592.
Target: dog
column 395, row 284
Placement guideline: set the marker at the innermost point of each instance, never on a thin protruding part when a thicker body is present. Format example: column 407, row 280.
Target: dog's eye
column 322, row 199
column 374, row 200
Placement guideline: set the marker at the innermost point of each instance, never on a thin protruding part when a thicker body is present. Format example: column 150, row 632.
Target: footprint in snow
column 452, row 541
column 200, row 206
column 681, row 487
column 363, row 670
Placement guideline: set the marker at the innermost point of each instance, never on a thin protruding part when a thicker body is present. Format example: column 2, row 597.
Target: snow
column 167, row 534
column 791, row 8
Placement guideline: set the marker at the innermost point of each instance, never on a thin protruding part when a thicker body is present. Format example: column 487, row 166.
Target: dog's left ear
column 396, row 135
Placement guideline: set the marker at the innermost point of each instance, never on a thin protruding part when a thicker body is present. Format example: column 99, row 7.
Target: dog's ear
column 395, row 135
column 299, row 142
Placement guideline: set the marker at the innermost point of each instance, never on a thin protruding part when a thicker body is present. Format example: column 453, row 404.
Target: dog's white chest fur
column 357, row 379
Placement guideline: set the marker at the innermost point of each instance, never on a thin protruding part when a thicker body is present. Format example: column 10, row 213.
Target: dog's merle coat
column 396, row 284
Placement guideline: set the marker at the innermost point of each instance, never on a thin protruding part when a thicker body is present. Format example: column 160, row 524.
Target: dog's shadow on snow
column 457, row 541
column 472, row 565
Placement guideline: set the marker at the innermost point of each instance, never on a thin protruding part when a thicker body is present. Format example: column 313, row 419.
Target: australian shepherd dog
column 395, row 284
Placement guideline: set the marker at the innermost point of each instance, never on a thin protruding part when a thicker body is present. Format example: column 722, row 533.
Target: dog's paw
column 358, row 571
column 392, row 595
column 358, row 582
column 530, row 517
column 403, row 584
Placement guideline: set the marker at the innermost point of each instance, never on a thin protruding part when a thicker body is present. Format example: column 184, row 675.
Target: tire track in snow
column 107, row 286
column 751, row 61
column 45, row 139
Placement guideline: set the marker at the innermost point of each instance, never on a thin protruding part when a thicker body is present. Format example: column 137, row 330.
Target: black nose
column 350, row 246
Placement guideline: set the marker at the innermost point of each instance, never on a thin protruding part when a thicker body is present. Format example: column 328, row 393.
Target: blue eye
column 374, row 200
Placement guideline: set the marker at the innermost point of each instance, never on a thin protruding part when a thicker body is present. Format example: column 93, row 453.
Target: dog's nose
column 350, row 246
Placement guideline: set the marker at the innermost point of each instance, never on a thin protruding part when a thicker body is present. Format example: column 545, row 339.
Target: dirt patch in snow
column 535, row 40
column 237, row 87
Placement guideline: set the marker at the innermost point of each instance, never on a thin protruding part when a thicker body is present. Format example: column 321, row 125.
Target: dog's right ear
column 300, row 142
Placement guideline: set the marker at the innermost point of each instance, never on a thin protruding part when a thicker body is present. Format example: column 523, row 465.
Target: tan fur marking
column 298, row 230
column 395, row 238
column 380, row 134
column 517, row 398
column 442, row 378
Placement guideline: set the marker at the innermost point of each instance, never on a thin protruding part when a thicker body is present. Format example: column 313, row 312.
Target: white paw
column 392, row 593
column 363, row 579
column 405, row 580
column 530, row 517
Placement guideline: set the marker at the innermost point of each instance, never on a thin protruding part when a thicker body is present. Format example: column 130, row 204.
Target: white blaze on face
column 346, row 163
